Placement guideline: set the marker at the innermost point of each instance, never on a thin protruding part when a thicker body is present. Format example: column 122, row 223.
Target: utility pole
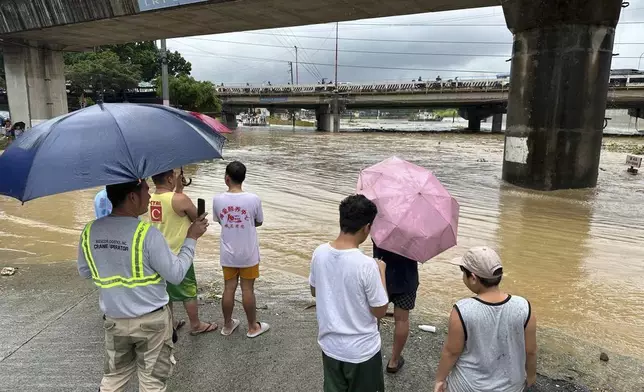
column 290, row 63
column 337, row 28
column 164, row 74
column 297, row 68
column 336, row 109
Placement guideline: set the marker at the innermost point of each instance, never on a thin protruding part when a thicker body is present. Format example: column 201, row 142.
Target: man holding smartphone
column 172, row 212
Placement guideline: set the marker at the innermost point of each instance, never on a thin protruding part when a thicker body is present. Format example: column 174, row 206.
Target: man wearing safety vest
column 130, row 262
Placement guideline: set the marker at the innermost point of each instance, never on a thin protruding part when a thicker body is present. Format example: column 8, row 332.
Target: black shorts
column 350, row 377
column 405, row 301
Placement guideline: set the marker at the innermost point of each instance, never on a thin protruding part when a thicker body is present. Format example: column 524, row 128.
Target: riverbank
column 49, row 310
column 461, row 130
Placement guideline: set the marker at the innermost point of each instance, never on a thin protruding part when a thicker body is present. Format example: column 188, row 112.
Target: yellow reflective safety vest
column 137, row 279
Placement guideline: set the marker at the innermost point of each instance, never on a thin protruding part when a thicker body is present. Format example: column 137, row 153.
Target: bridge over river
column 476, row 99
column 561, row 61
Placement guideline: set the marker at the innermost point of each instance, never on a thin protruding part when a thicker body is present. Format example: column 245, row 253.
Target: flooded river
column 577, row 255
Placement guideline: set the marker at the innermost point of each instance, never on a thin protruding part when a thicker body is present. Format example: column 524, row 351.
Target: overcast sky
column 231, row 59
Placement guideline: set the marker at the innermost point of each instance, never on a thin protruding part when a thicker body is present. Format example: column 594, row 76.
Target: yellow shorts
column 244, row 273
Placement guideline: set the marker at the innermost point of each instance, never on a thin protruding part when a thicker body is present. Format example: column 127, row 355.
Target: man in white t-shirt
column 239, row 213
column 350, row 294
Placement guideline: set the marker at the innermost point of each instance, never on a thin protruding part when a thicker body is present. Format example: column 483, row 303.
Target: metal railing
column 368, row 88
column 450, row 86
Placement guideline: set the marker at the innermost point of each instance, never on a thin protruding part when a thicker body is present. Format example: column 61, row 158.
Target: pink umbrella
column 417, row 217
column 213, row 122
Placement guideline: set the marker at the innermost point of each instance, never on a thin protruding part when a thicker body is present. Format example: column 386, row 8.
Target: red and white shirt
column 237, row 214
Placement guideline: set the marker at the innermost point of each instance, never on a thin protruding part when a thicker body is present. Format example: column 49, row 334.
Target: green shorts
column 353, row 377
column 186, row 290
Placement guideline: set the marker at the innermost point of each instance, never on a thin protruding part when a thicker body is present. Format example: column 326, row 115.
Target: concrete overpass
column 33, row 34
column 476, row 99
column 560, row 62
column 78, row 24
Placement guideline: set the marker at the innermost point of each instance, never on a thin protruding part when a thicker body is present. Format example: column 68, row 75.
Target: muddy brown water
column 576, row 255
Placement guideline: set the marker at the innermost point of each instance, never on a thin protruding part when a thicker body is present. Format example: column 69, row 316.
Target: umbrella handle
column 183, row 179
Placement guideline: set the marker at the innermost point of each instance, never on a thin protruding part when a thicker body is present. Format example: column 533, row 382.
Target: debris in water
column 8, row 271
column 603, row 357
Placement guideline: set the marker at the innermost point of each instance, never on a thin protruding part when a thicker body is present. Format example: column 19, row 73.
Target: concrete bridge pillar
column 473, row 122
column 497, row 123
column 324, row 119
column 35, row 79
column 230, row 118
column 561, row 63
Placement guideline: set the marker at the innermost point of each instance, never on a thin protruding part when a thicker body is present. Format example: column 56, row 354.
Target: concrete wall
column 35, row 82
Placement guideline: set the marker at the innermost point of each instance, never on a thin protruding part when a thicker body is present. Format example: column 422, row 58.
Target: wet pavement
column 52, row 339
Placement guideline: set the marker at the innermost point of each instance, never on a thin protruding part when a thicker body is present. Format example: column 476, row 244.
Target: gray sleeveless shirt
column 493, row 359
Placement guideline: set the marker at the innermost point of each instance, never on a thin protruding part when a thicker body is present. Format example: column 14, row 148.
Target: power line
column 324, row 42
column 447, row 24
column 347, row 65
column 418, row 41
column 358, row 51
column 369, row 27
column 286, row 44
column 306, row 55
column 393, row 40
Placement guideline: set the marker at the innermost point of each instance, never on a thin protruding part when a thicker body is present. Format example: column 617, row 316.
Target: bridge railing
column 369, row 88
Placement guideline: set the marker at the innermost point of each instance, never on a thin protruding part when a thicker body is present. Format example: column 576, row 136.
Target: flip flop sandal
column 228, row 333
column 393, row 370
column 210, row 328
column 263, row 327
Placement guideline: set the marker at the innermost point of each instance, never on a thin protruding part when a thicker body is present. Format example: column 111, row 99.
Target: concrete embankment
column 52, row 341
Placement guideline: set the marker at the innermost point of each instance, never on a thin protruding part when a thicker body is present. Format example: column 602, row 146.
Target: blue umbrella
column 101, row 145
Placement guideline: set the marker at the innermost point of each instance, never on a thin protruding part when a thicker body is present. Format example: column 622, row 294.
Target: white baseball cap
column 482, row 261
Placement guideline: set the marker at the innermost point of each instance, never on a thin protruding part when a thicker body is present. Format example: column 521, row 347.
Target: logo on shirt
column 234, row 217
column 156, row 212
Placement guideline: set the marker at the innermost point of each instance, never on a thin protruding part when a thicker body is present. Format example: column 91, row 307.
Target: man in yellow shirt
column 172, row 212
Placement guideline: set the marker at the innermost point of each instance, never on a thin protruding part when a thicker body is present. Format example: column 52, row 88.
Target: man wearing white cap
column 491, row 344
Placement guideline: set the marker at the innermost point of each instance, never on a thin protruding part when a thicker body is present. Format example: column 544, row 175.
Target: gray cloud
column 238, row 63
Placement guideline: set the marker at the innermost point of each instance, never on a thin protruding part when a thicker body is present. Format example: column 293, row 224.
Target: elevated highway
column 476, row 99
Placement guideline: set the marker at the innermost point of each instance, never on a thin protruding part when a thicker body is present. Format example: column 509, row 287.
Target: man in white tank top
column 491, row 343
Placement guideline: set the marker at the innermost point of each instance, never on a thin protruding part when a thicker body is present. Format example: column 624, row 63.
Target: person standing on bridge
column 130, row 262
column 172, row 212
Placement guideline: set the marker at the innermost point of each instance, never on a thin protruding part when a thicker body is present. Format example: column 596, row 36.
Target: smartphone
column 201, row 207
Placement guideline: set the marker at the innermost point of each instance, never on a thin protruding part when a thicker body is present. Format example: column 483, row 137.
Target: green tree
column 147, row 55
column 189, row 94
column 101, row 71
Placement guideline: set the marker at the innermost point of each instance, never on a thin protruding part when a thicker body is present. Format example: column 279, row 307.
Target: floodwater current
column 576, row 255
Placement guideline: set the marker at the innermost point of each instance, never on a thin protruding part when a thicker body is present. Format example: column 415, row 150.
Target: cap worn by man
column 482, row 261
